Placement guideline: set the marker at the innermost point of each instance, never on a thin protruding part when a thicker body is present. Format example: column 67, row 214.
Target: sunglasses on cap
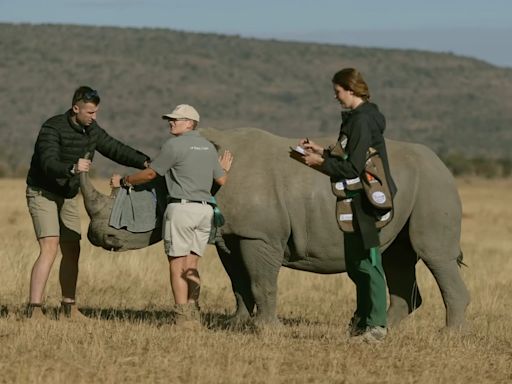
column 90, row 95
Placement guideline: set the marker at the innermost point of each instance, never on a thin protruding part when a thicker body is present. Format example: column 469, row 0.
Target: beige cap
column 183, row 111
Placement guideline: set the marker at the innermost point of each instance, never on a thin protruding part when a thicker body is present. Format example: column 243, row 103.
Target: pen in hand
column 302, row 146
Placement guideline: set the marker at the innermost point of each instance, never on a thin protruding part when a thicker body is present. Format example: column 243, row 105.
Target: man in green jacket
column 52, row 186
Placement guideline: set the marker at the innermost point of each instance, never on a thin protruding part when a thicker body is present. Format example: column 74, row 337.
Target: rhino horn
column 94, row 201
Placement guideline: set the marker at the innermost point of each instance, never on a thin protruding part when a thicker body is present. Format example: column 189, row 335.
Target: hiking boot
column 373, row 334
column 69, row 311
column 187, row 316
column 354, row 329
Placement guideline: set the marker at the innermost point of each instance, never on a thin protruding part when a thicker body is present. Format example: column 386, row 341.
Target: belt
column 171, row 200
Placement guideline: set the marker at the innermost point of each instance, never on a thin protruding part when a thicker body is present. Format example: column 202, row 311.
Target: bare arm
column 140, row 177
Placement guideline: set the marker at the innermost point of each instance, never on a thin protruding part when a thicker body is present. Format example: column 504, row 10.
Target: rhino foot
column 267, row 322
column 269, row 327
column 238, row 324
column 457, row 330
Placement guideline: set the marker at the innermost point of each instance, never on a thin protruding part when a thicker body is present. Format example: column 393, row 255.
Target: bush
column 482, row 166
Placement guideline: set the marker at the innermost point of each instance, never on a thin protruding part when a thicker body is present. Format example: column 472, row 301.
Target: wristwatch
column 124, row 183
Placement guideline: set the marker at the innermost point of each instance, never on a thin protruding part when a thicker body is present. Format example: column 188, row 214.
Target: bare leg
column 191, row 275
column 185, row 280
column 41, row 270
column 179, row 285
column 68, row 272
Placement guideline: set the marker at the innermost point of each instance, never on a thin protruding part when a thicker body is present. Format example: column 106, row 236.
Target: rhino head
column 100, row 233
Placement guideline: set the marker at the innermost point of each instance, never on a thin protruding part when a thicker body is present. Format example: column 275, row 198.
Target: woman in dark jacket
column 362, row 127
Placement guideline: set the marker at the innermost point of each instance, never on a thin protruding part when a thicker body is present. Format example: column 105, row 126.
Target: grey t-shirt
column 189, row 163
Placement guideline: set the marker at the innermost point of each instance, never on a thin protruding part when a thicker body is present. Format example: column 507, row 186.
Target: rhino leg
column 228, row 249
column 263, row 262
column 438, row 245
column 453, row 290
column 399, row 262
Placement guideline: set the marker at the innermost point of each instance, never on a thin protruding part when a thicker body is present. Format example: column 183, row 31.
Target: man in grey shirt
column 190, row 164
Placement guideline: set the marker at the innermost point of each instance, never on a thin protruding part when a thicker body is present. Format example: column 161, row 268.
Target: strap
column 374, row 254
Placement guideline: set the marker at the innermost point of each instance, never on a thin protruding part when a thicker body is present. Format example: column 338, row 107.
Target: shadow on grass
column 155, row 317
column 298, row 321
column 211, row 320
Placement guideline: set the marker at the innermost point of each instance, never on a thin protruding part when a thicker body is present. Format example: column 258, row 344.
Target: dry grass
column 132, row 340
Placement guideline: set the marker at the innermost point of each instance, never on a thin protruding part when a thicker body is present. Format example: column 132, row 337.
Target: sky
column 480, row 29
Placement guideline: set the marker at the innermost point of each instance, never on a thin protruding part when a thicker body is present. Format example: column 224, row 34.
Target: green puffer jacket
column 61, row 143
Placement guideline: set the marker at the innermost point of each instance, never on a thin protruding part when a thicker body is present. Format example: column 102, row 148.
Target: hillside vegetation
column 453, row 104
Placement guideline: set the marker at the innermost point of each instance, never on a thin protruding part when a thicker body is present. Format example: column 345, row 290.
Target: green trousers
column 364, row 267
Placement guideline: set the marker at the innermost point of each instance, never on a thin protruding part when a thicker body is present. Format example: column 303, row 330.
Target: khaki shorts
column 186, row 228
column 53, row 215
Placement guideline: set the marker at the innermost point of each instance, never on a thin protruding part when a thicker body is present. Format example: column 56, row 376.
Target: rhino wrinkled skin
column 99, row 233
column 281, row 213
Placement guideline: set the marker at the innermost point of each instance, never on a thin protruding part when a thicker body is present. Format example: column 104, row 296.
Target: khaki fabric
column 375, row 184
column 186, row 228
column 340, row 188
column 53, row 215
column 344, row 215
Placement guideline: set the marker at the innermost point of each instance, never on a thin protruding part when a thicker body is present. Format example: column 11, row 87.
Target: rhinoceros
column 279, row 212
column 99, row 208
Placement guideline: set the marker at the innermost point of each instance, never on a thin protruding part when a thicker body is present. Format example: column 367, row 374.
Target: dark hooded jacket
column 61, row 143
column 363, row 127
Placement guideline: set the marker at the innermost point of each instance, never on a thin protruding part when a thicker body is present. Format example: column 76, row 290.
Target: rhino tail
column 460, row 261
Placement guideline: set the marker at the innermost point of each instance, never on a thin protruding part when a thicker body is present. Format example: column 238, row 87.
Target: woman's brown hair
column 352, row 80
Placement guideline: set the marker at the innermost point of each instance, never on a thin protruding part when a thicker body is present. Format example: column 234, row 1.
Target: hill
column 450, row 103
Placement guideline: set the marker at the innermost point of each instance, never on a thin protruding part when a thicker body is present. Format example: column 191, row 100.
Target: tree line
column 459, row 165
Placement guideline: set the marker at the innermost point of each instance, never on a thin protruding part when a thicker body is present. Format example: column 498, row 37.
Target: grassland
column 130, row 337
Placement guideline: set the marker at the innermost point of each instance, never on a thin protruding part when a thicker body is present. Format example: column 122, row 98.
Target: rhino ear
column 94, row 201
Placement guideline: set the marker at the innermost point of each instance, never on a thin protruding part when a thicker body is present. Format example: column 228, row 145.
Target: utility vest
column 372, row 184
